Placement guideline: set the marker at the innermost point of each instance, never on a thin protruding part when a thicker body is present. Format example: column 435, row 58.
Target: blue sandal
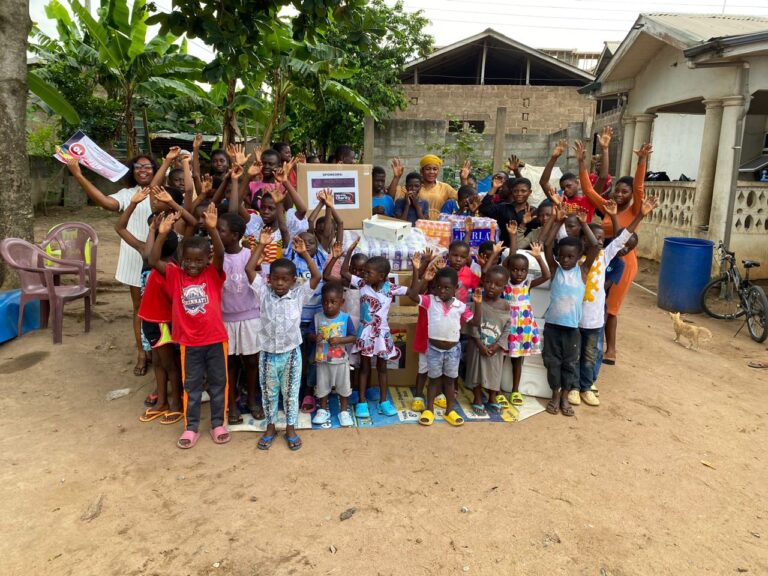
column 265, row 442
column 479, row 409
column 294, row 442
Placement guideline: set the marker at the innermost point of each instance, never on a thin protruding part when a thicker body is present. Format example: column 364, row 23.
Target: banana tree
column 131, row 69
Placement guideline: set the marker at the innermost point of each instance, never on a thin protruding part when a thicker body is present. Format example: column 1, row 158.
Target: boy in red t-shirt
column 195, row 292
column 570, row 188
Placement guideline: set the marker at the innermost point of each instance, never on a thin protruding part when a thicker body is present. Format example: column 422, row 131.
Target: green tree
column 377, row 43
column 256, row 45
column 114, row 49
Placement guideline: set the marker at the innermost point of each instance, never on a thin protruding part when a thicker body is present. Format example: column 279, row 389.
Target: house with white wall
column 696, row 87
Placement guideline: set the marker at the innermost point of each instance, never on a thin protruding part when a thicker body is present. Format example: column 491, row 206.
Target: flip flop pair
column 152, row 414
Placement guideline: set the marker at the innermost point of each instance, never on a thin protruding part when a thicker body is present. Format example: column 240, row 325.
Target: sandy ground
column 617, row 490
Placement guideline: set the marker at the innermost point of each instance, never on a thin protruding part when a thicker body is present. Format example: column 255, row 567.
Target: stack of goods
column 398, row 253
column 483, row 229
column 437, row 231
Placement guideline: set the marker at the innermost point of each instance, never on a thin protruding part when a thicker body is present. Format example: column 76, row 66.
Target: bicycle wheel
column 757, row 314
column 720, row 299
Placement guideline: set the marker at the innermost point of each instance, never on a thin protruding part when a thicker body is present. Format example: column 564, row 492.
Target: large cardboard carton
column 401, row 371
column 351, row 184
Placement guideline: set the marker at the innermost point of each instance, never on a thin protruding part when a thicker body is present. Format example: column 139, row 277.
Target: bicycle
column 729, row 296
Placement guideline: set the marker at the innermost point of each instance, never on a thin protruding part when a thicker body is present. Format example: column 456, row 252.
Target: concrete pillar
column 705, row 177
column 499, row 138
column 733, row 106
column 643, row 125
column 368, row 135
column 625, row 161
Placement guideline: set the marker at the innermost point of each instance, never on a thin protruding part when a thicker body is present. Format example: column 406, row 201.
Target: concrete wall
column 409, row 140
column 677, row 144
column 530, row 109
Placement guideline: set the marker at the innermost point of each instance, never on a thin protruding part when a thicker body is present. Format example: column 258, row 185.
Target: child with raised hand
column 445, row 316
column 280, row 300
column 489, row 341
column 241, row 315
column 562, row 339
column 328, row 228
column 283, row 225
column 195, row 290
column 382, row 202
column 155, row 314
column 568, row 194
column 374, row 340
column 518, row 190
column 592, row 320
column 524, row 338
column 331, row 331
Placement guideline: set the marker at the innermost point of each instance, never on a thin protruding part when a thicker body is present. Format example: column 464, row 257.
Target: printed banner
column 344, row 183
column 90, row 155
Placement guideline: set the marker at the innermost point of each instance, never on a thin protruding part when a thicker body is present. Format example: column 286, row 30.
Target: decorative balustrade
column 675, row 203
column 750, row 210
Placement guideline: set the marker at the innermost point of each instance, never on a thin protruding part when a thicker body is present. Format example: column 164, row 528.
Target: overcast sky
column 581, row 24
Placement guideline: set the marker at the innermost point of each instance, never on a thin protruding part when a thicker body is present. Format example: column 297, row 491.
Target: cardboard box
column 388, row 229
column 401, row 371
column 351, row 184
column 402, row 279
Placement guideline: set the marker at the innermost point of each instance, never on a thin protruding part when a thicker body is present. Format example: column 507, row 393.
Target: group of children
column 257, row 284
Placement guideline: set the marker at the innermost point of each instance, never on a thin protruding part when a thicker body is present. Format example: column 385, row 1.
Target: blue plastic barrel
column 686, row 264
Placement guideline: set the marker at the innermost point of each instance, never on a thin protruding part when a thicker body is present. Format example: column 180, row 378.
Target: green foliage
column 42, row 140
column 466, row 145
column 377, row 42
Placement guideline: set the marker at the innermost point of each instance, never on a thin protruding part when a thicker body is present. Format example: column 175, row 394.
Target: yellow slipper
column 417, row 404
column 427, row 418
column 590, row 399
column 516, row 399
column 573, row 398
column 441, row 402
column 454, row 419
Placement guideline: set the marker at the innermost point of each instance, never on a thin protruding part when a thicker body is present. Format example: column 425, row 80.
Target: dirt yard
column 668, row 476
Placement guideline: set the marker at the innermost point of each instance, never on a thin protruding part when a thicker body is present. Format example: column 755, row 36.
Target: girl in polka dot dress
column 524, row 337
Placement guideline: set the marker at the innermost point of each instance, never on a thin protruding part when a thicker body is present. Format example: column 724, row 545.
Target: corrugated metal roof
column 696, row 28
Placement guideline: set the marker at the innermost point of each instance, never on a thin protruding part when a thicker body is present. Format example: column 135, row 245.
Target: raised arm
column 466, row 170
column 210, row 217
column 196, row 163
column 165, row 227
column 648, row 206
column 91, row 191
column 189, row 184
column 548, row 236
column 312, row 218
column 560, row 147
column 586, row 185
column 301, row 249
column 638, row 186
column 397, row 173
column 122, row 224
column 257, row 254
column 604, row 140
column 612, row 210
column 545, row 273
column 346, row 277
column 513, row 165
column 592, row 246
column 336, row 251
column 159, row 178
column 512, row 232
column 219, row 194
column 498, row 248
column 186, row 220
column 281, row 176
column 413, row 288
column 234, row 190
column 332, row 217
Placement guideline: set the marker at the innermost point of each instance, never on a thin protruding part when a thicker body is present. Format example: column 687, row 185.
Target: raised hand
column 560, row 214
column 429, row 273
column 513, row 163
column 166, row 224
column 649, row 205
column 250, row 243
column 560, row 147
column 512, row 227
column 281, row 174
column 161, row 195
column 528, row 215
column 337, row 250
column 354, row 244
column 535, row 249
column 553, row 196
column 604, row 139
column 428, row 255
column 498, row 248
column 497, row 182
column 207, row 184
column 466, row 168
column 644, row 151
column 197, row 141
column 610, row 208
column 482, row 259
column 581, row 214
column 579, row 150
column 298, row 245
column 477, row 296
column 210, row 216
column 265, row 236
column 439, row 263
column 237, row 152
column 236, row 171
column 328, row 196
column 416, row 262
column 140, row 195
column 173, row 153
column 301, row 158
column 74, row 166
column 255, row 168
column 397, row 168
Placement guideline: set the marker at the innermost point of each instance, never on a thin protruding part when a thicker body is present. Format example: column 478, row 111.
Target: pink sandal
column 188, row 439
column 220, row 435
column 308, row 404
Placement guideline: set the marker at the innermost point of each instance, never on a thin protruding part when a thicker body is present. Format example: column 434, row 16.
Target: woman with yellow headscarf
column 436, row 193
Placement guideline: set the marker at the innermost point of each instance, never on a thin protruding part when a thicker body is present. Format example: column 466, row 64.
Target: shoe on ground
column 595, row 390
column 590, row 399
column 361, row 410
column 345, row 419
column 441, row 402
column 573, row 398
column 387, row 408
column 322, row 416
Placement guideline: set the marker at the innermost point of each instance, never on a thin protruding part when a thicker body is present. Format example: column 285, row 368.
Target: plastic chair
column 38, row 282
column 74, row 241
